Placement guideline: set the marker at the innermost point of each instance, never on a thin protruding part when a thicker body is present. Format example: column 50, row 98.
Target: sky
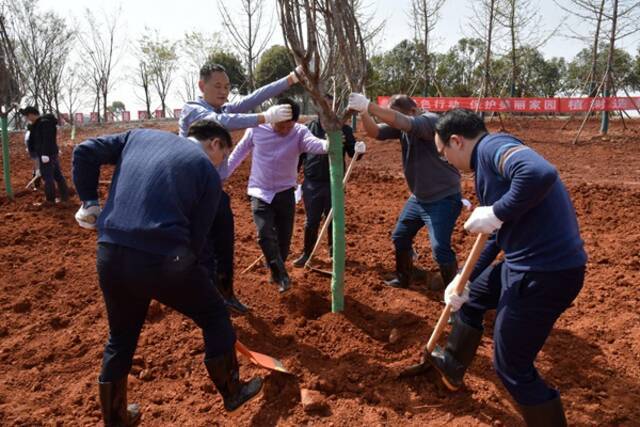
column 173, row 18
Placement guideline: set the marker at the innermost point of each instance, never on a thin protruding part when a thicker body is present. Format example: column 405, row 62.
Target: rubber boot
column 279, row 275
column 64, row 191
column 453, row 361
column 310, row 236
column 113, row 400
column 225, row 374
column 547, row 414
column 447, row 272
column 225, row 286
column 404, row 266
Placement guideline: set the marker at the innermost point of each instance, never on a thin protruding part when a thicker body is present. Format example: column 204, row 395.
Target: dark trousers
column 527, row 305
column 52, row 175
column 439, row 216
column 317, row 202
column 223, row 239
column 274, row 222
column 130, row 279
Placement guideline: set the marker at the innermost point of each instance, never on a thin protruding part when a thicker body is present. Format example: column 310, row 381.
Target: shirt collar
column 474, row 152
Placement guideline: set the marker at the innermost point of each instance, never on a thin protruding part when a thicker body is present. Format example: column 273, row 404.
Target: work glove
column 453, row 299
column 360, row 147
column 87, row 215
column 44, row 159
column 467, row 204
column 278, row 113
column 295, row 73
column 358, row 102
column 483, row 220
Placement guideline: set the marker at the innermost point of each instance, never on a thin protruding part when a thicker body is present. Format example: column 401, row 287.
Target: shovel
column 261, row 359
column 469, row 264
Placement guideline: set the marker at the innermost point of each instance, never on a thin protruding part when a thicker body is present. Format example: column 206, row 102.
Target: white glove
column 483, row 220
column 325, row 145
column 278, row 113
column 358, row 102
column 88, row 217
column 360, row 147
column 294, row 74
column 44, row 159
column 467, row 204
column 454, row 300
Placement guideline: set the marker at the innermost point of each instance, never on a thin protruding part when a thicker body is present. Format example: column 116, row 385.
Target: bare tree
column 484, row 27
column 143, row 81
column 161, row 60
column 10, row 77
column 196, row 48
column 102, row 54
column 305, row 25
column 252, row 36
column 425, row 15
column 523, row 21
column 71, row 91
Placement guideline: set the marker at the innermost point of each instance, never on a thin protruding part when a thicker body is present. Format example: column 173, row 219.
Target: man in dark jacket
column 42, row 145
column 164, row 195
column 316, row 187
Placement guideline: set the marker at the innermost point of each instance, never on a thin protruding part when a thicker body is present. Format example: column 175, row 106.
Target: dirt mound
column 53, row 323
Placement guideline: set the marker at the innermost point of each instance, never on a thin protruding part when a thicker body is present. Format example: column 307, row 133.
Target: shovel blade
column 261, row 359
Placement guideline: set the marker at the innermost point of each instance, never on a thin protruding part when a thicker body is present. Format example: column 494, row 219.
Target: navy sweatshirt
column 164, row 191
column 540, row 230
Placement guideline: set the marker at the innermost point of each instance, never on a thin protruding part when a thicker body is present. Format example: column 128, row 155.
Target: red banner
column 78, row 118
column 177, row 112
column 93, row 117
column 126, row 116
column 159, row 114
column 142, row 115
column 525, row 105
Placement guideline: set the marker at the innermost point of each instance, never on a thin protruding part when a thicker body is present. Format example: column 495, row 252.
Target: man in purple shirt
column 275, row 151
column 213, row 104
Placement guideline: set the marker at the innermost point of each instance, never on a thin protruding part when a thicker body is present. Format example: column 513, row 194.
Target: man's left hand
column 358, row 102
column 483, row 220
column 360, row 147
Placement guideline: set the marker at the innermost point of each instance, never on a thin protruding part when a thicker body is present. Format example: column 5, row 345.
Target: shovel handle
column 469, row 264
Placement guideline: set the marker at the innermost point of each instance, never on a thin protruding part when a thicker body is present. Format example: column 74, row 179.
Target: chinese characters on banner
column 525, row 105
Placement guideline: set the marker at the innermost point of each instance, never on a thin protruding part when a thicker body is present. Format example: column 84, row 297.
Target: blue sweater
column 540, row 230
column 164, row 191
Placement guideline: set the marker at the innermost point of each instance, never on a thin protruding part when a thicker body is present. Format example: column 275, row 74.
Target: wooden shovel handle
column 469, row 264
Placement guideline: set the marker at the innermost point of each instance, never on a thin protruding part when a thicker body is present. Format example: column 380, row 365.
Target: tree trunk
column 593, row 80
column 604, row 125
column 514, row 65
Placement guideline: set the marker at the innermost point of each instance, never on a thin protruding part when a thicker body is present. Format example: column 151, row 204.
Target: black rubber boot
column 225, row 286
column 310, row 236
column 113, row 400
column 279, row 275
column 447, row 272
column 547, row 414
column 404, row 266
column 64, row 191
column 453, row 361
column 225, row 374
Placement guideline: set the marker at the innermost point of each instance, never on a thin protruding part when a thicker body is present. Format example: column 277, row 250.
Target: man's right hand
column 278, row 113
column 358, row 102
column 87, row 215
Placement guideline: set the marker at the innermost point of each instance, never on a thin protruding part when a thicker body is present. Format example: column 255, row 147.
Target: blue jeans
column 527, row 305
column 130, row 279
column 439, row 217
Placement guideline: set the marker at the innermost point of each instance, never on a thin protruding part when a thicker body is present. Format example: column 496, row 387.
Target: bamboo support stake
column 6, row 165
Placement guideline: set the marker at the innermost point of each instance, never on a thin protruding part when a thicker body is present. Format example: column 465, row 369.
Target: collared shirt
column 274, row 158
column 232, row 115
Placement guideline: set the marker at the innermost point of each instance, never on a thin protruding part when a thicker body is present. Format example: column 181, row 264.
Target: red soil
column 53, row 324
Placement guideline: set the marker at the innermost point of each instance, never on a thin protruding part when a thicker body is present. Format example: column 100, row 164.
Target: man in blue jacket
column 527, row 210
column 213, row 104
column 164, row 194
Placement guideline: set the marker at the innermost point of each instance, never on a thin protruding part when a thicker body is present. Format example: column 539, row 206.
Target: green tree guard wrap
column 336, row 169
column 6, row 166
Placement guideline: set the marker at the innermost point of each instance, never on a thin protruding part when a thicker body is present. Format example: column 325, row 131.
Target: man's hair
column 209, row 68
column 207, row 129
column 295, row 108
column 402, row 102
column 460, row 122
column 30, row 110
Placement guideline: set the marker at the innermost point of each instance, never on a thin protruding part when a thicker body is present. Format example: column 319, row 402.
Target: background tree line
column 63, row 65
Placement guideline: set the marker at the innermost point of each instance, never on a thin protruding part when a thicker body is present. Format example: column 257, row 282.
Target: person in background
column 214, row 104
column 316, row 187
column 151, row 234
column 42, row 144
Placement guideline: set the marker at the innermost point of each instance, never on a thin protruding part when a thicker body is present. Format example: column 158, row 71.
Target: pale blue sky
column 174, row 18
